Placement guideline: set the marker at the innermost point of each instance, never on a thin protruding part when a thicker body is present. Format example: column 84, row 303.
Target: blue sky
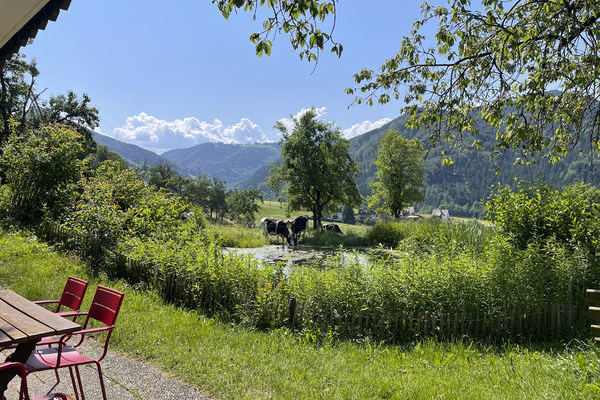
column 173, row 74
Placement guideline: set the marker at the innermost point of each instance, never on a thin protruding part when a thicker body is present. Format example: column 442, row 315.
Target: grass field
column 235, row 235
column 231, row 362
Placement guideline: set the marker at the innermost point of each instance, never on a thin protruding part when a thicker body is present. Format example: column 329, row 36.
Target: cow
column 276, row 227
column 332, row 227
column 299, row 226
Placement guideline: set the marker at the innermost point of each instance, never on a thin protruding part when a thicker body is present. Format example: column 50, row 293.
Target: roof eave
column 39, row 21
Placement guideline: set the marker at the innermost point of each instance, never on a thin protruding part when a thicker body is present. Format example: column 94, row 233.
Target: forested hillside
column 134, row 155
column 462, row 186
column 230, row 162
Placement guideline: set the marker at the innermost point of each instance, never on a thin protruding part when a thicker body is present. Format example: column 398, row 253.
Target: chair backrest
column 73, row 293
column 20, row 370
column 105, row 305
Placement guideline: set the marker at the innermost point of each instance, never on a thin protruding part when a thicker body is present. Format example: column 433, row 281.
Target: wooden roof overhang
column 20, row 21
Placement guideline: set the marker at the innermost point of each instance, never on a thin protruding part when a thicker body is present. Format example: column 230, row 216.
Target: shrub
column 40, row 166
column 536, row 213
column 388, row 234
column 115, row 204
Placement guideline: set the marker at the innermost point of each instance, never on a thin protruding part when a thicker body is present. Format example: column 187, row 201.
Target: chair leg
column 101, row 381
column 79, row 381
column 75, row 392
column 57, row 376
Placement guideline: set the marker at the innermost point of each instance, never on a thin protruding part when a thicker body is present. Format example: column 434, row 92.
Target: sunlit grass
column 241, row 236
column 231, row 362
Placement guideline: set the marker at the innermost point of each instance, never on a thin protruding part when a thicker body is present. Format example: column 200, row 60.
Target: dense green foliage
column 114, row 205
column 399, row 178
column 40, row 167
column 231, row 362
column 539, row 214
column 243, row 204
column 104, row 154
column 316, row 169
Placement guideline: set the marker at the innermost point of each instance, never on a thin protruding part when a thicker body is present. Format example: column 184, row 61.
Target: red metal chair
column 104, row 309
column 24, row 393
column 72, row 297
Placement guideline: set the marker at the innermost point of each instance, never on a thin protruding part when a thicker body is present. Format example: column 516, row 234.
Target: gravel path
column 124, row 378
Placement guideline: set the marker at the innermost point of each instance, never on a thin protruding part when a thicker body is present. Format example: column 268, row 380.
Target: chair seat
column 47, row 358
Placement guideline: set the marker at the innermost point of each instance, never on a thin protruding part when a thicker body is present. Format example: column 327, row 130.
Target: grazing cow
column 299, row 226
column 276, row 227
column 332, row 227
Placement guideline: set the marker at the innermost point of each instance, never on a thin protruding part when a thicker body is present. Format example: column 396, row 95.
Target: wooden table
column 24, row 323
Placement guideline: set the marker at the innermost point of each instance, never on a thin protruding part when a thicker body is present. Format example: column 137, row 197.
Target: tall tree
column 217, row 198
column 316, row 167
column 21, row 103
column 244, row 203
column 400, row 174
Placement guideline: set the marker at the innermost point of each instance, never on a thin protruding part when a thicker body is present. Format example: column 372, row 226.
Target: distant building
column 442, row 214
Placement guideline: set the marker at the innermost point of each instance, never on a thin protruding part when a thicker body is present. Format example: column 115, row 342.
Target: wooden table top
column 23, row 321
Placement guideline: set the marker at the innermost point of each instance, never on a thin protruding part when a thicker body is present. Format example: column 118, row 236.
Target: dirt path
column 124, row 377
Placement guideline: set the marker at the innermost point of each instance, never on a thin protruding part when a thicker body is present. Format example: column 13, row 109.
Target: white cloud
column 289, row 122
column 362, row 127
column 159, row 135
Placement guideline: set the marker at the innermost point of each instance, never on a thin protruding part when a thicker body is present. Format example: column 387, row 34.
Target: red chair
column 104, row 309
column 72, row 297
column 24, row 395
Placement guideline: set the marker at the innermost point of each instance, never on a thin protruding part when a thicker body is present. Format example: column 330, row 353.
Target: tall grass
column 432, row 235
column 240, row 236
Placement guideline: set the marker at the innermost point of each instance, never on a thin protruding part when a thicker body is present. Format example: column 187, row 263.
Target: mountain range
column 461, row 187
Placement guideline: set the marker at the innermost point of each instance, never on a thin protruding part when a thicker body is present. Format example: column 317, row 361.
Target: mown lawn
column 231, row 362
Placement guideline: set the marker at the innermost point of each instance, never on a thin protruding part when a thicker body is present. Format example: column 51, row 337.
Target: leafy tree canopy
column 400, row 174
column 20, row 101
column 529, row 68
column 316, row 167
column 299, row 20
column 243, row 204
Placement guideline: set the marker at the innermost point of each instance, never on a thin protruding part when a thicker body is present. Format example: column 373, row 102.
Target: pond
column 315, row 257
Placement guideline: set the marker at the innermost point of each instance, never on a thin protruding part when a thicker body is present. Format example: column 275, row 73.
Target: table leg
column 21, row 354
